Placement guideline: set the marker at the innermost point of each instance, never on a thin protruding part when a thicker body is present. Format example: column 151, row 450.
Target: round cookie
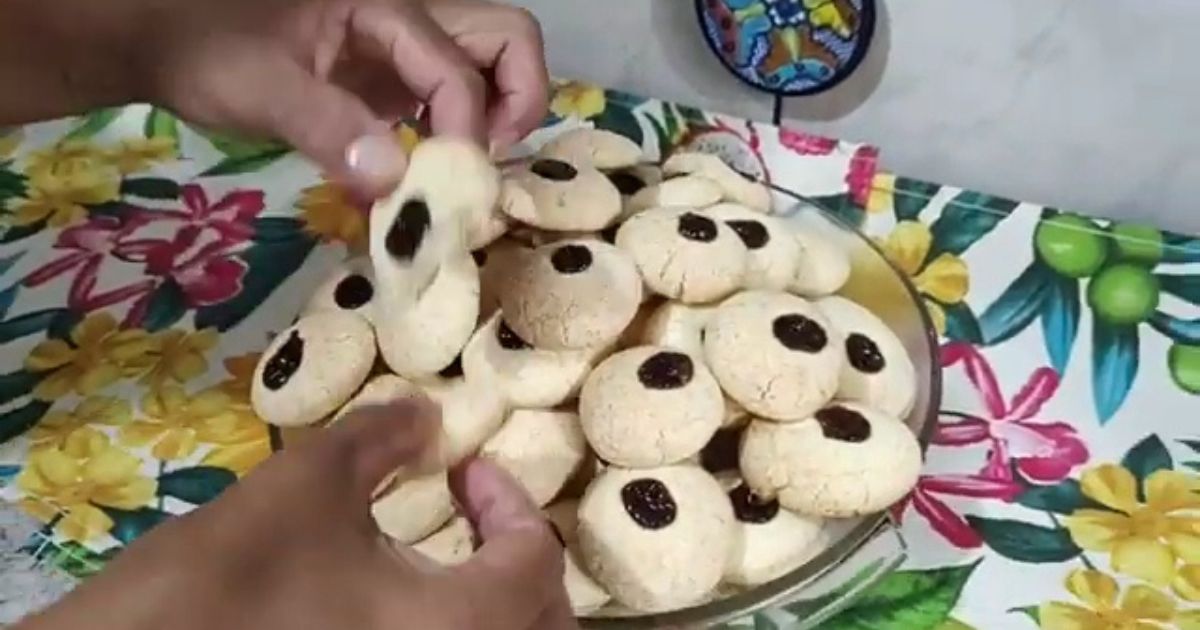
column 451, row 545
column 525, row 376
column 447, row 186
column 312, row 368
column 683, row 191
column 585, row 594
column 774, row 353
column 472, row 411
column 484, row 228
column 877, row 370
column 735, row 187
column 650, row 406
column 541, row 448
column 413, row 508
column 677, row 325
column 496, row 264
column 560, row 196
column 847, row 460
column 572, row 295
column 823, row 267
column 774, row 252
column 656, row 539
column 769, row 541
column 599, row 148
column 348, row 287
column 420, row 341
column 380, row 390
column 684, row 254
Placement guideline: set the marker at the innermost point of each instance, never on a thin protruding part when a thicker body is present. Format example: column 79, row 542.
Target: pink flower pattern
column 804, row 143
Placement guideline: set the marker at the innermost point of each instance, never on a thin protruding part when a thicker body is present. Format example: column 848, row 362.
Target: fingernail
column 377, row 158
column 501, row 142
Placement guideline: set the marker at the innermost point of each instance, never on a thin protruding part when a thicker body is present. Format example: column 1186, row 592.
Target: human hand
column 329, row 76
column 293, row 547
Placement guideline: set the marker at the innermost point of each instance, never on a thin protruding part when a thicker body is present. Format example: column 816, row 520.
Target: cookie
column 684, row 191
column 769, row 541
column 656, row 539
column 572, row 295
column 311, row 369
column 451, row 545
column 421, row 340
column 413, row 508
column 773, row 251
column 594, row 147
column 559, row 196
column 631, row 180
column 650, row 406
column 877, row 370
column 735, row 187
column 379, row 390
column 525, row 376
column 496, row 264
column 472, row 411
column 846, row 460
column 448, row 185
column 684, row 254
column 774, row 354
column 541, row 448
column 823, row 267
column 585, row 594
column 677, row 325
column 348, row 287
column 483, row 228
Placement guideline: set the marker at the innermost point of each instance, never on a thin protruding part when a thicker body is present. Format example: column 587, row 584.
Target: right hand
column 293, row 546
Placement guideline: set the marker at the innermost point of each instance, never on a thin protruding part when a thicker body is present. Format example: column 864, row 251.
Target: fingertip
column 375, row 164
column 372, row 442
column 491, row 499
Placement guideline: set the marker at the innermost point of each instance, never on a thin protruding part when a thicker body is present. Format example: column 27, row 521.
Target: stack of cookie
column 655, row 357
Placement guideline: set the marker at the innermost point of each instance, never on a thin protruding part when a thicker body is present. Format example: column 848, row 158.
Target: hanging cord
column 777, row 111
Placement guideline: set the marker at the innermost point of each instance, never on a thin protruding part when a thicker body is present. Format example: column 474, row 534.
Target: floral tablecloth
column 142, row 259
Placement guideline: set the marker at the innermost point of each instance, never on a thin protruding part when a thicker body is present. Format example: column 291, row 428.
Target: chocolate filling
column 749, row 508
column 752, row 233
column 842, row 424
column 627, row 183
column 510, row 340
column 353, row 291
column 284, row 363
column 408, row 230
column 666, row 370
column 695, row 227
column 797, row 332
column 553, row 170
column 570, row 259
column 864, row 354
column 649, row 503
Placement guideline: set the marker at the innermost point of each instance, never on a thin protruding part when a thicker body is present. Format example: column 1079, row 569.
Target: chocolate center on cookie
column 863, row 354
column 649, row 503
column 510, row 340
column 797, row 332
column 666, row 370
column 695, row 227
column 408, row 230
column 749, row 508
column 284, row 363
column 846, row 425
column 627, row 183
column 752, row 233
column 454, row 370
column 721, row 452
column 570, row 259
column 553, row 170
column 353, row 291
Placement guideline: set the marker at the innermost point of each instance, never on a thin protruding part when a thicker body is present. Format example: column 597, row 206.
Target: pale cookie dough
column 572, row 295
column 585, row 594
column 555, row 195
column 450, row 546
column 823, row 267
column 496, row 264
column 348, row 287
column 419, row 341
column 312, row 368
column 380, row 390
column 541, row 448
column 677, row 325
column 650, row 406
column 484, row 228
column 656, row 539
column 769, row 541
column 598, row 148
column 847, row 460
column 774, row 353
column 523, row 375
column 411, row 509
column 685, row 191
column 684, row 254
column 774, row 252
column 877, row 371
column 735, row 187
column 472, row 411
column 448, row 185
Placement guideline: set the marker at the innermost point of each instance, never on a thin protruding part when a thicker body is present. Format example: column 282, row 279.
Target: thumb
column 370, row 444
column 330, row 125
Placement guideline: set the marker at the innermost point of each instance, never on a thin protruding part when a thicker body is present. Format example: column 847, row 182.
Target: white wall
column 1084, row 104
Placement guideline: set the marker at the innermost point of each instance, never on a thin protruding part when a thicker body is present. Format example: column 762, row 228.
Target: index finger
column 518, row 569
column 428, row 62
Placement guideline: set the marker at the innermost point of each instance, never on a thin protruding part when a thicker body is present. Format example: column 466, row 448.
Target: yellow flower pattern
column 243, row 440
column 69, row 485
column 56, row 427
column 62, row 179
column 180, row 356
column 174, row 422
column 97, row 355
column 138, row 154
column 330, row 214
column 10, row 139
column 943, row 280
column 1102, row 606
column 578, row 100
